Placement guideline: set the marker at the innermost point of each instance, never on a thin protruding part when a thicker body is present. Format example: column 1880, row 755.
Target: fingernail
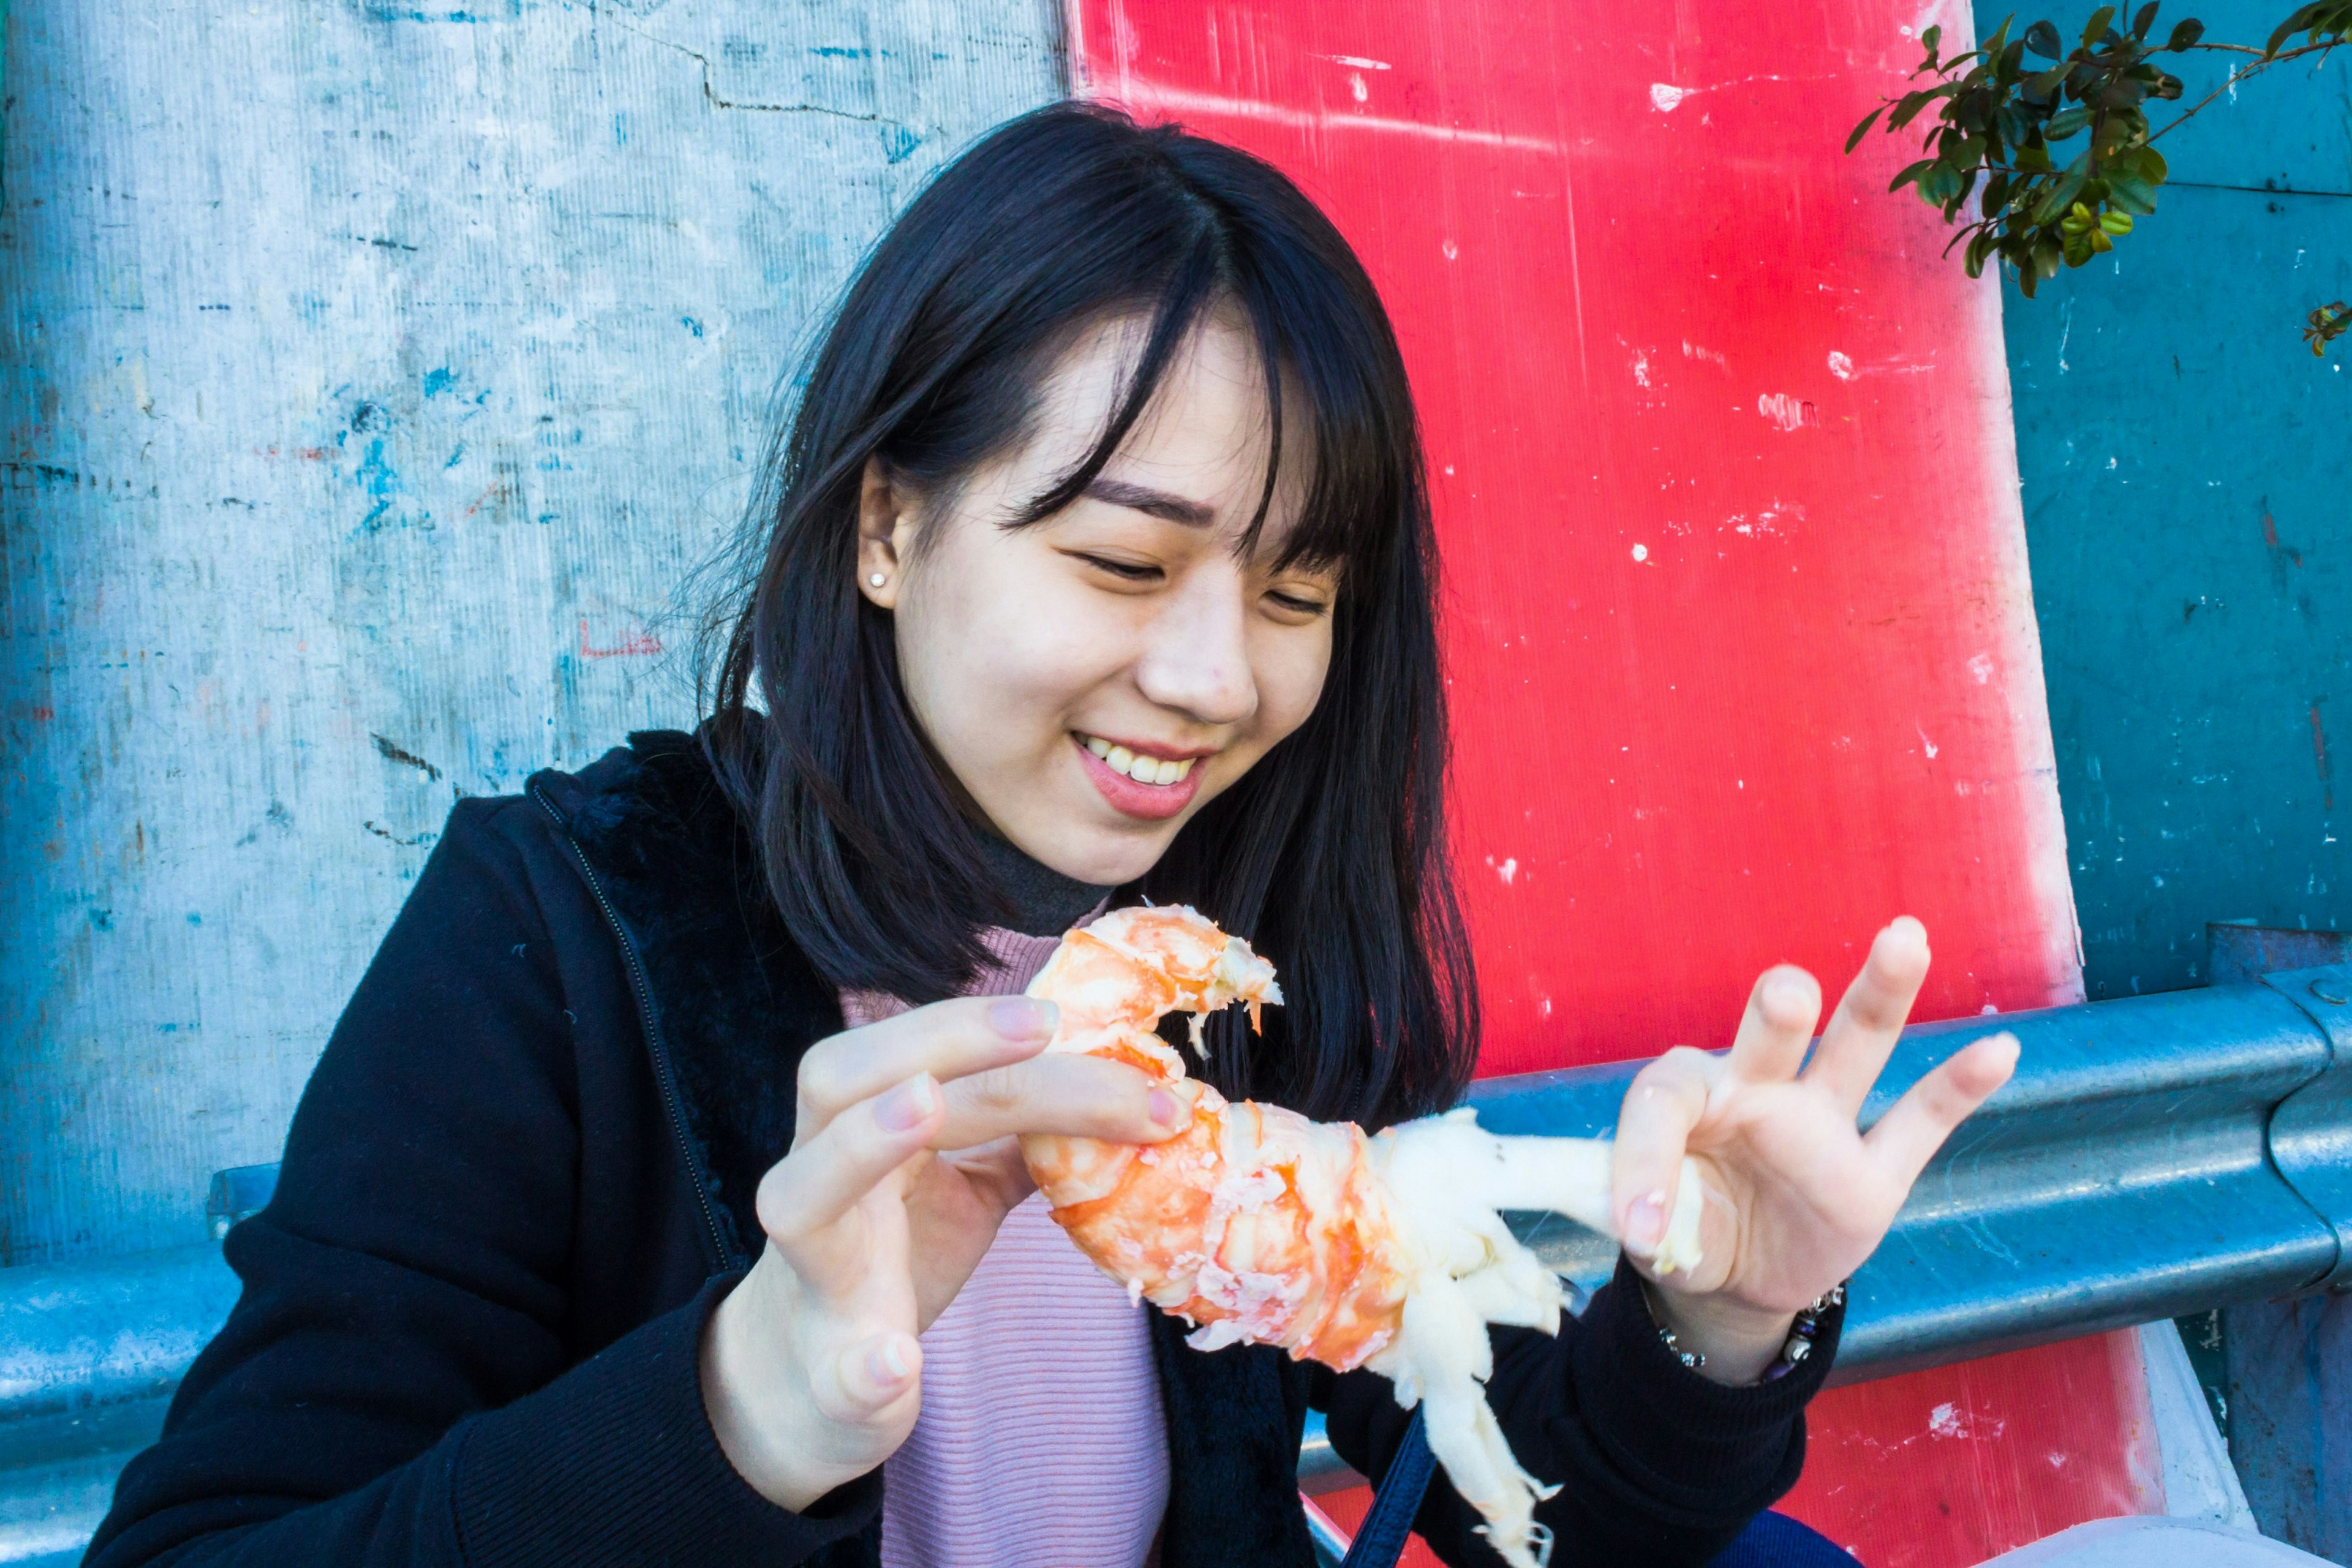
column 908, row 1105
column 886, row 1363
column 1165, row 1108
column 1024, row 1017
column 1645, row 1223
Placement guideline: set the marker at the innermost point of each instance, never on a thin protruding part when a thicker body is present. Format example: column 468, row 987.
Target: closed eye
column 1297, row 606
column 1127, row 570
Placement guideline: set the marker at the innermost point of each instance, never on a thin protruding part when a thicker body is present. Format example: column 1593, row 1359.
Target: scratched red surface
column 1739, row 621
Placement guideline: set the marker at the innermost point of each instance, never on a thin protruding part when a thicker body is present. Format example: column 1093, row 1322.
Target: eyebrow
column 1153, row 503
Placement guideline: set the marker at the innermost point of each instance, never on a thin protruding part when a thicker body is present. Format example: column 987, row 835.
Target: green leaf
column 1863, row 129
column 1911, row 174
column 2043, row 86
column 2066, row 122
column 2097, row 27
column 2043, row 39
column 2034, row 160
column 2131, row 193
column 2143, row 20
column 2147, row 164
column 2185, row 34
column 2062, row 195
column 2300, row 21
column 1913, row 102
column 1930, row 40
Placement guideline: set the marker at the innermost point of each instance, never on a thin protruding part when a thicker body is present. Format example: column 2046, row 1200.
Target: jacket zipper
column 721, row 1255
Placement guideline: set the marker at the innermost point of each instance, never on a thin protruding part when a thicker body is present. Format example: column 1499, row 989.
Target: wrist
column 751, row 1409
column 1723, row 1340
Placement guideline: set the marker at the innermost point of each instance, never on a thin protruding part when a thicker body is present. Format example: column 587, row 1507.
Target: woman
column 633, row 1215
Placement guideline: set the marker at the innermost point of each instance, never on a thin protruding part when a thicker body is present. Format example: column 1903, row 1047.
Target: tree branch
column 2236, row 77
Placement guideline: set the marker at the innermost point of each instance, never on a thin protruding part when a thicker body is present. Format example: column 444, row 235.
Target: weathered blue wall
column 2187, row 474
column 371, row 373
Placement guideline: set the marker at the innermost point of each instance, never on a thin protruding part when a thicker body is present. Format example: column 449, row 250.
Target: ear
column 886, row 535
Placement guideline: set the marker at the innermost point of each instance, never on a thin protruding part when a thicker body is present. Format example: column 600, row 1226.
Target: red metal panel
column 1738, row 622
column 1963, row 1463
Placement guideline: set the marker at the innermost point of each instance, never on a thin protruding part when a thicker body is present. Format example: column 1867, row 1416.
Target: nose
column 1196, row 660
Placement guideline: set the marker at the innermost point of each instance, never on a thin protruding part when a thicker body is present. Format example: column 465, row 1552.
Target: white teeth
column 1161, row 771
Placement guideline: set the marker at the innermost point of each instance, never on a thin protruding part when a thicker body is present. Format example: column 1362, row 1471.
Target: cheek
column 992, row 661
column 1290, row 676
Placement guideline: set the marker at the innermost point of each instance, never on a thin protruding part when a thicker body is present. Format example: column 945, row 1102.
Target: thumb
column 876, row 1371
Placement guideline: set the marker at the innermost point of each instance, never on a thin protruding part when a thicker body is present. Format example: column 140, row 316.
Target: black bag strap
column 1381, row 1541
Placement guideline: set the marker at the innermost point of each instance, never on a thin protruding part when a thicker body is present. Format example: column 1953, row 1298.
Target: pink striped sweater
column 1042, row 1443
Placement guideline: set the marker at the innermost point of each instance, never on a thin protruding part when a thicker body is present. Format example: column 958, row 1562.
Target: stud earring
column 878, row 579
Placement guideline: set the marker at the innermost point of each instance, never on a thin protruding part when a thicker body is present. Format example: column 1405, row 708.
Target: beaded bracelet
column 1799, row 1344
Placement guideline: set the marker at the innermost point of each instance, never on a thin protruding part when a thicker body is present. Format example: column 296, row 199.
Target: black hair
column 1329, row 855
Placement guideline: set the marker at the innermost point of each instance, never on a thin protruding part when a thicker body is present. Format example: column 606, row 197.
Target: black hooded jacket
column 522, row 1174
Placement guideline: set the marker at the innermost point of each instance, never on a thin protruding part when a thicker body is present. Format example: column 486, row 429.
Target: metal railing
column 2152, row 1157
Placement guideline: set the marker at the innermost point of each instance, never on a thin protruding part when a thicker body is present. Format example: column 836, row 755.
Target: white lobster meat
column 1260, row 1226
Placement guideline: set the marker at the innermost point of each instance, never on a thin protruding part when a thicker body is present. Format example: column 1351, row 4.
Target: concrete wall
column 374, row 375
column 2189, row 509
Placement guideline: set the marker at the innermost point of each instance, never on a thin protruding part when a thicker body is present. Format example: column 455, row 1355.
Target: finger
column 947, row 1039
column 1908, row 1135
column 1077, row 1096
column 818, row 1182
column 1663, row 1103
column 874, row 1374
column 1869, row 1017
column 1776, row 1026
column 994, row 1169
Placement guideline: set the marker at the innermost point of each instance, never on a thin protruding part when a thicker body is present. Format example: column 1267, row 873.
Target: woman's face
column 1095, row 678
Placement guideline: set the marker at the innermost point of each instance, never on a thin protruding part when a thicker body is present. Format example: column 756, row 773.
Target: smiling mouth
column 1159, row 772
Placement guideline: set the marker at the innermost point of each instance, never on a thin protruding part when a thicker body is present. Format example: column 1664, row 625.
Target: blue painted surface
column 373, row 379
column 2186, row 475
column 2185, row 468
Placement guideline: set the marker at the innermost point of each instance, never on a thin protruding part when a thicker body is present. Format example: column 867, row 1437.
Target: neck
column 1043, row 901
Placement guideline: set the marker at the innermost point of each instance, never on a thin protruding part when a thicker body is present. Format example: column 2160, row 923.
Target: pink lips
column 1153, row 803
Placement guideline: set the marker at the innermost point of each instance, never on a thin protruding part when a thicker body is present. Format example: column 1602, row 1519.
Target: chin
column 1107, row 857
column 1111, row 864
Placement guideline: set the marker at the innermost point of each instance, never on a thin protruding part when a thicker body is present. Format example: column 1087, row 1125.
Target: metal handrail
column 2152, row 1156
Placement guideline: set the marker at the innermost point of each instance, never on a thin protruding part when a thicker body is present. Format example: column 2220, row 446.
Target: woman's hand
column 811, row 1368
column 1796, row 1197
